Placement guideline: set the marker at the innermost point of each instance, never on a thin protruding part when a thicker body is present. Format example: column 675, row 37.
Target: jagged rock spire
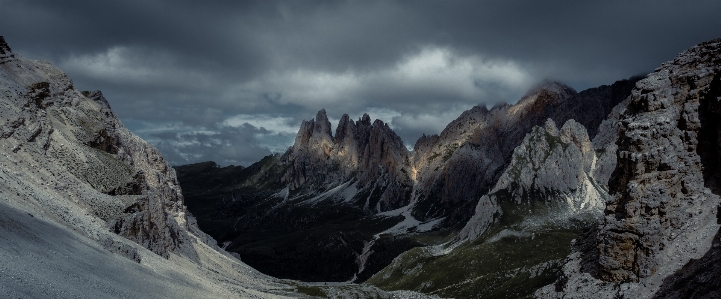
column 322, row 125
column 370, row 154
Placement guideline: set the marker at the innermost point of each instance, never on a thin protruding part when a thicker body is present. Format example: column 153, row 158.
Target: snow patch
column 409, row 223
column 338, row 190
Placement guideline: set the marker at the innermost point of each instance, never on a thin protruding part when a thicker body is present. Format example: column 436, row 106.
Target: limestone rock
column 664, row 203
column 663, row 145
column 368, row 156
column 454, row 169
column 6, row 53
column 551, row 167
column 79, row 147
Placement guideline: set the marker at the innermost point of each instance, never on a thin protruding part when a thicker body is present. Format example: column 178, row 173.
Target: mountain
column 519, row 234
column 359, row 198
column 475, row 148
column 84, row 201
column 369, row 161
column 659, row 236
column 89, row 210
column 620, row 202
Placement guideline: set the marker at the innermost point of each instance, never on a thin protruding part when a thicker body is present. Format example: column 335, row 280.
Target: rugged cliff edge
column 663, row 213
column 89, row 210
column 368, row 158
column 46, row 123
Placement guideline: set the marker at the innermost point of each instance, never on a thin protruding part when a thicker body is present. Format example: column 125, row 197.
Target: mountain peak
column 322, row 124
column 321, row 115
column 366, row 119
column 552, row 86
column 6, row 54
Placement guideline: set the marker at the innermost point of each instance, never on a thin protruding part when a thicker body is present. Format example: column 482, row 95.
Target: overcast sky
column 231, row 81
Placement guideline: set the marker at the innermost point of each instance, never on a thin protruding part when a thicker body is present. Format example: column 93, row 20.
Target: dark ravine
column 241, row 209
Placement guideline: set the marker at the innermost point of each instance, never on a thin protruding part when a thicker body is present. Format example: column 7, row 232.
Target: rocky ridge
column 446, row 174
column 663, row 212
column 552, row 167
column 46, row 121
column 369, row 158
column 478, row 146
column 516, row 239
column 373, row 191
column 89, row 210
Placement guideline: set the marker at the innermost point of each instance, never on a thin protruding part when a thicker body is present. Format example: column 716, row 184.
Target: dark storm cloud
column 225, row 145
column 415, row 64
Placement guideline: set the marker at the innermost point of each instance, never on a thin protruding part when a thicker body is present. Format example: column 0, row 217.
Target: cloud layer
column 231, row 81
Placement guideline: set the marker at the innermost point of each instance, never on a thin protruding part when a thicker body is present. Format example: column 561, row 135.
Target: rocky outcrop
column 6, row 54
column 664, row 204
column 78, row 147
column 551, row 171
column 457, row 167
column 668, row 133
column 368, row 157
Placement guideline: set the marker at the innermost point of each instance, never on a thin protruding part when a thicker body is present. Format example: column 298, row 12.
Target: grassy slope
column 510, row 267
column 514, row 266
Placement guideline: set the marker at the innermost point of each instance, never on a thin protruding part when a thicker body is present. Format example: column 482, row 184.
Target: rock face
column 366, row 156
column 446, row 174
column 552, row 170
column 456, row 168
column 664, row 206
column 92, row 208
column 45, row 122
column 669, row 131
column 6, row 54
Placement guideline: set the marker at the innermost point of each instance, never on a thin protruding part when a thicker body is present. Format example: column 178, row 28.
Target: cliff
column 88, row 210
column 549, row 182
column 663, row 211
column 456, row 168
column 367, row 158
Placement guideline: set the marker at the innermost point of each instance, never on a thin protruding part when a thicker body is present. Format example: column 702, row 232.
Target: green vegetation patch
column 512, row 267
column 448, row 151
column 510, row 260
column 433, row 157
column 312, row 291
